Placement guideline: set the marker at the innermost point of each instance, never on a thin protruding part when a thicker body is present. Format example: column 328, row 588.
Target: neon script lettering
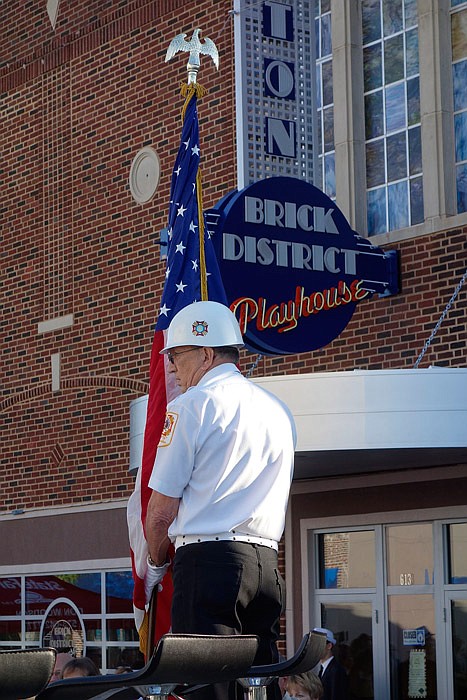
column 285, row 316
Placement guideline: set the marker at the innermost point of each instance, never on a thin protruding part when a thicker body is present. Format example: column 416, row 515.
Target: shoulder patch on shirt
column 168, row 429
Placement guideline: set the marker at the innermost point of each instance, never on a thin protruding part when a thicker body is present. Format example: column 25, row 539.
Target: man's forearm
column 162, row 511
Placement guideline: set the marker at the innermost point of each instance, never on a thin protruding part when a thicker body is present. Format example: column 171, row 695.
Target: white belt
column 181, row 540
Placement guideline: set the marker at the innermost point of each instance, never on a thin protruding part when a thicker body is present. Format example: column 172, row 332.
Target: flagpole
column 191, row 91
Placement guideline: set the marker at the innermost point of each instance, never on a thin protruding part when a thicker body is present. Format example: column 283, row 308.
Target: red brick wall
column 116, row 96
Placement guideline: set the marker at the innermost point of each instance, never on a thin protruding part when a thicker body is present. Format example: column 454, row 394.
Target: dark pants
column 228, row 588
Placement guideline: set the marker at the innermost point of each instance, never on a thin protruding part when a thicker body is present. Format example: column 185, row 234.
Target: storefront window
column 347, row 559
column 87, row 614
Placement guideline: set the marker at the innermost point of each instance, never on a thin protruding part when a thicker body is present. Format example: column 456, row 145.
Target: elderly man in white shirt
column 221, row 482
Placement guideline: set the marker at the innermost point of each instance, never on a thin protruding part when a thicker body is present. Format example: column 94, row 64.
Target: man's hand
column 154, row 575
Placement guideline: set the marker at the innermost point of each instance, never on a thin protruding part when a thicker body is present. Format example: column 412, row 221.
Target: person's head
column 305, row 686
column 60, row 661
column 330, row 642
column 77, row 668
column 123, row 669
column 282, row 683
column 201, row 336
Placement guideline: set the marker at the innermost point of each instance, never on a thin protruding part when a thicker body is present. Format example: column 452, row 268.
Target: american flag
column 192, row 274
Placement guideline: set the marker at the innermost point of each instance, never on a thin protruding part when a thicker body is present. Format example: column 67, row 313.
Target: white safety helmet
column 206, row 324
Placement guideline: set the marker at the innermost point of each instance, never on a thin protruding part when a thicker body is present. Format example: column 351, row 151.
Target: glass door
column 345, row 602
column 456, row 647
column 352, row 625
column 455, row 606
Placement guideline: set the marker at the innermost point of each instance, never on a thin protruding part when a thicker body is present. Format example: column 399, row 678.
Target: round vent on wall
column 144, row 175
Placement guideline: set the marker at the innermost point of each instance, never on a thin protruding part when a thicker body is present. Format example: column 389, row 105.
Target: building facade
column 367, row 100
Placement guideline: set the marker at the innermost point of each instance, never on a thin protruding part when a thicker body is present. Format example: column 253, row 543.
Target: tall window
column 392, row 115
column 325, row 179
column 459, row 85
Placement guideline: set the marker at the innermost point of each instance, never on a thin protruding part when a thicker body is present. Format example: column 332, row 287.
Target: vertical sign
column 275, row 77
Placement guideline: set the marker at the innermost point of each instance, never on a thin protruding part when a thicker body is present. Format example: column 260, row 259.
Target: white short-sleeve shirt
column 227, row 452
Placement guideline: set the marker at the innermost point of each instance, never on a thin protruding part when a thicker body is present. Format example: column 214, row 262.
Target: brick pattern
column 71, row 446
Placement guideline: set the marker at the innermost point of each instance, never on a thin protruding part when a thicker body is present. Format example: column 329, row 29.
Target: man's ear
column 209, row 355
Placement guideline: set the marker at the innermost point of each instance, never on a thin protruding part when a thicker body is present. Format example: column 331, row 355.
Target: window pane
column 411, row 56
column 371, row 20
column 459, row 648
column 460, row 131
column 397, row 156
column 93, row 629
column 459, row 82
column 328, row 121
column 416, row 201
column 413, row 101
column 122, row 631
column 376, row 206
column 119, row 592
column 457, row 536
column 412, row 646
column 330, row 175
column 352, row 628
column 124, row 656
column 375, row 163
column 409, row 554
column 410, row 13
column 415, row 151
column 33, row 629
column 82, row 589
column 461, row 178
column 374, row 118
column 392, row 16
column 459, row 35
column 10, row 596
column 398, row 206
column 347, row 559
column 327, row 83
column 395, row 108
column 394, row 59
column 10, row 630
column 326, row 47
column 372, row 67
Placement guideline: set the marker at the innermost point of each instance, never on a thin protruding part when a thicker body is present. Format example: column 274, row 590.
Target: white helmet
column 206, row 324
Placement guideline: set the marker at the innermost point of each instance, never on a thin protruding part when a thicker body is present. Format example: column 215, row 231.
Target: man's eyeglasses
column 171, row 356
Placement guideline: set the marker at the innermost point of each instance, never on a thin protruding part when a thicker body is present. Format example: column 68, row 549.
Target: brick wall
column 74, row 241
column 77, row 104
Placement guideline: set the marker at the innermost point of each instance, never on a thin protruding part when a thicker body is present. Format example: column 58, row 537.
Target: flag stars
column 178, row 171
column 193, row 227
column 180, row 287
column 194, row 265
column 180, row 248
column 195, row 150
column 186, row 144
column 165, row 310
column 181, row 210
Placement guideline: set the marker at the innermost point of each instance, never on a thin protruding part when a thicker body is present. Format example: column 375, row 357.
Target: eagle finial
column 195, row 47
